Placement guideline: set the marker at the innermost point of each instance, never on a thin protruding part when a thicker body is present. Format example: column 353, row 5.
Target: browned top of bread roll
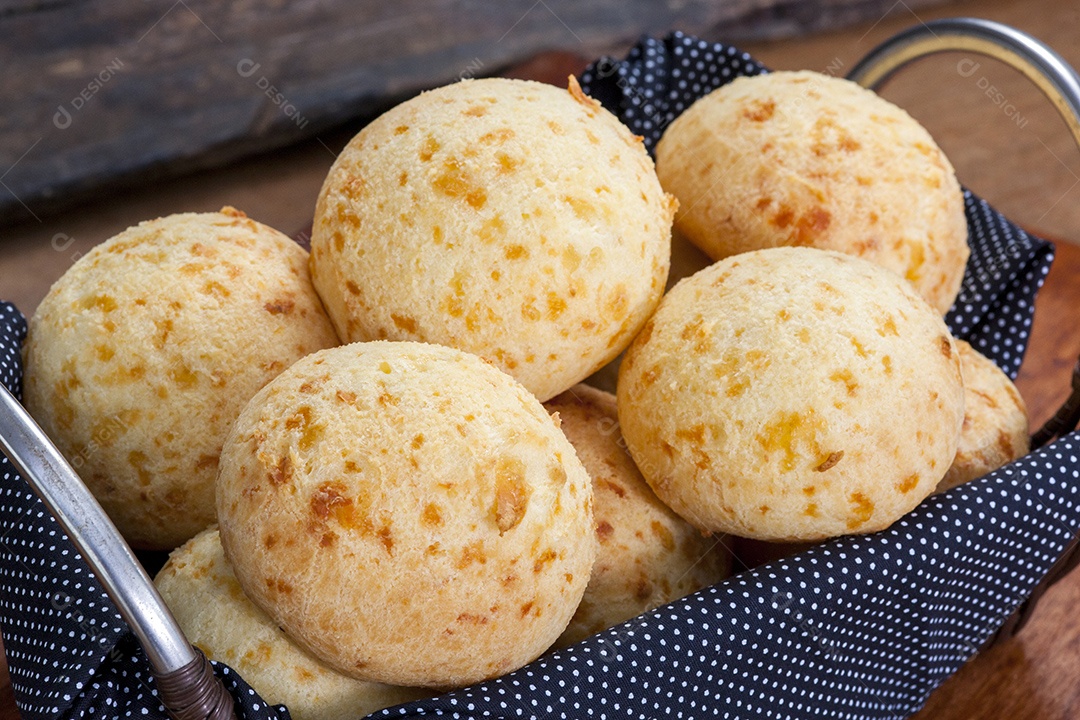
column 805, row 159
column 527, row 219
column 792, row 394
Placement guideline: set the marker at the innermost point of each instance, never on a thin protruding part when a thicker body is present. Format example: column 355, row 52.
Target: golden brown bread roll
column 201, row 590
column 792, row 394
column 800, row 158
column 507, row 218
column 995, row 430
column 407, row 513
column 142, row 355
column 649, row 556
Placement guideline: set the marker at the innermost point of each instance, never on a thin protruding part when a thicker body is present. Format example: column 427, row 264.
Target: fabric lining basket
column 860, row 627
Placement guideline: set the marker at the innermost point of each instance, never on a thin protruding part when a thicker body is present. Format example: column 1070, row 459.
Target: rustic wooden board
column 103, row 95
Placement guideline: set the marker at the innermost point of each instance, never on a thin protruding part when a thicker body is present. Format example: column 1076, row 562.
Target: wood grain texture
column 98, row 95
column 1055, row 338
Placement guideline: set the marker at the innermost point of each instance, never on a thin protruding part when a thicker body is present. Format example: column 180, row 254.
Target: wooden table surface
column 1009, row 147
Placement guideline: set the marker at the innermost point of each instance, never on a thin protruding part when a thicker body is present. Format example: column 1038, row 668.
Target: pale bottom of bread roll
column 649, row 556
column 199, row 587
column 995, row 429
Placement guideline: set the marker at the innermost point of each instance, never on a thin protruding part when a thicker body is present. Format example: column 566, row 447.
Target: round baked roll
column 792, row 394
column 143, row 354
column 201, row 590
column 800, row 158
column 408, row 513
column 527, row 219
column 649, row 556
column 995, row 429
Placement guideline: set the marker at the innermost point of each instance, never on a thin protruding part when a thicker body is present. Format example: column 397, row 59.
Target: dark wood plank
column 103, row 95
column 8, row 710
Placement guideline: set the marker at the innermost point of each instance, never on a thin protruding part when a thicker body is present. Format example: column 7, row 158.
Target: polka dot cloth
column 1007, row 266
column 861, row 627
column 46, row 586
column 661, row 78
column 122, row 688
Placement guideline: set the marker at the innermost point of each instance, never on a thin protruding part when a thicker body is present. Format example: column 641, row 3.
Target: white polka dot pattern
column 661, row 78
column 123, row 688
column 861, row 627
column 996, row 303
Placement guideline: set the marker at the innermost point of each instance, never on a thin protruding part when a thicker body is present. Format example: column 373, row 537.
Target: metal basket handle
column 187, row 686
column 1061, row 85
column 1044, row 67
